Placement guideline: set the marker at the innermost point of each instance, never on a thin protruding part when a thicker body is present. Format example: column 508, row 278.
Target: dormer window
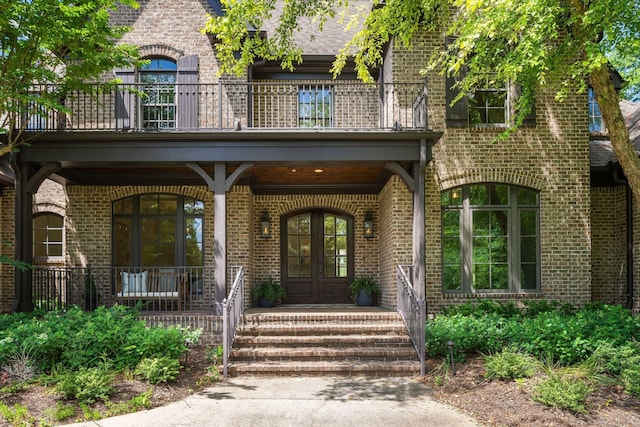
column 596, row 124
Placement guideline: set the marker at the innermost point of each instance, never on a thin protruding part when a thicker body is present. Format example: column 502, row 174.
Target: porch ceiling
column 285, row 162
column 292, row 178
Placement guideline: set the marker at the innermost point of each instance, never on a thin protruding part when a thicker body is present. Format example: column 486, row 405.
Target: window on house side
column 158, row 79
column 595, row 116
column 490, row 239
column 48, row 235
column 489, row 105
column 315, row 106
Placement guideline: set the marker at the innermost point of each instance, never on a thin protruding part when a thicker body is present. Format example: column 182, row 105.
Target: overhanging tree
column 532, row 43
column 49, row 48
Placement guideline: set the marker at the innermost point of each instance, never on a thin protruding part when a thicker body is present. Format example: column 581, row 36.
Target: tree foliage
column 569, row 44
column 62, row 44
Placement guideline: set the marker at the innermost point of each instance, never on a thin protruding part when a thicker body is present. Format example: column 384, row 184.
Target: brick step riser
column 292, row 352
column 320, row 340
column 363, row 321
column 336, row 346
column 311, row 358
column 305, row 330
column 374, row 371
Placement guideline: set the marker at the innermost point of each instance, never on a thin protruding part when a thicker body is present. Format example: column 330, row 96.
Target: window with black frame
column 315, row 106
column 158, row 105
column 489, row 104
column 490, row 239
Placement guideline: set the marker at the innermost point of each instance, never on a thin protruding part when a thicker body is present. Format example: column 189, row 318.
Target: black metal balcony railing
column 224, row 105
column 158, row 289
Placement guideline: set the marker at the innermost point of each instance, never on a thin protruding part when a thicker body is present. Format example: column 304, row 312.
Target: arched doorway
column 317, row 256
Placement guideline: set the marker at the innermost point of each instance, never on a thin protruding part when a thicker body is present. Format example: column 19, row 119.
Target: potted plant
column 363, row 290
column 268, row 293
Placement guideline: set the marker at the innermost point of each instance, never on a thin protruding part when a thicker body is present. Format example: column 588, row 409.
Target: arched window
column 158, row 230
column 48, row 235
column 159, row 87
column 490, row 239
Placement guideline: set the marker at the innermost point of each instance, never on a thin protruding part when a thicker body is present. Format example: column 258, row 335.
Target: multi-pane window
column 335, row 246
column 158, row 230
column 596, row 123
column 490, row 239
column 299, row 246
column 489, row 104
column 48, row 232
column 315, row 106
column 158, row 106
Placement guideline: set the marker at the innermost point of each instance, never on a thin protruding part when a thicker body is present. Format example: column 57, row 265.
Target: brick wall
column 552, row 158
column 266, row 261
column 609, row 244
column 170, row 29
column 396, row 233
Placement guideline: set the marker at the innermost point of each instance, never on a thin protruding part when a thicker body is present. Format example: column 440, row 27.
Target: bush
column 158, row 369
column 77, row 339
column 562, row 392
column 510, row 365
column 631, row 380
column 470, row 334
column 86, row 385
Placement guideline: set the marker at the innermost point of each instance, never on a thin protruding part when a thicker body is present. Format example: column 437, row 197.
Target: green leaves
column 59, row 43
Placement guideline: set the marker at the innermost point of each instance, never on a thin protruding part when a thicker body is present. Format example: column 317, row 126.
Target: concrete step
column 325, row 368
column 362, row 354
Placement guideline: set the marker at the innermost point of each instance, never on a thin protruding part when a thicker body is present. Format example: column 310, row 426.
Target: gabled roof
column 601, row 151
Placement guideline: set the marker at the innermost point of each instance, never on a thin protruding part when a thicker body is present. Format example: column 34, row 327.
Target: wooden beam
column 220, row 234
column 237, row 174
column 408, row 180
column 419, row 269
column 207, row 179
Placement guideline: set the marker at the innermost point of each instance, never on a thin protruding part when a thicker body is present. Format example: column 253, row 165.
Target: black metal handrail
column 413, row 311
column 232, row 309
column 231, row 105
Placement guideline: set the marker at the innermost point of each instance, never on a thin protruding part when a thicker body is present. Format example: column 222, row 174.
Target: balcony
column 338, row 105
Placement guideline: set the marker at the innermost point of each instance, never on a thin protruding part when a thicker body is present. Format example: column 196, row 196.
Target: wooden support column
column 23, row 297
column 419, row 274
column 220, row 234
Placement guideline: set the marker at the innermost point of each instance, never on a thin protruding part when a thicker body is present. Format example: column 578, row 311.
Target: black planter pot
column 91, row 300
column 266, row 303
column 364, row 298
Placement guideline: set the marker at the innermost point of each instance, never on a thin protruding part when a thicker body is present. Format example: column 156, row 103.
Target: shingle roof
column 601, row 152
column 333, row 35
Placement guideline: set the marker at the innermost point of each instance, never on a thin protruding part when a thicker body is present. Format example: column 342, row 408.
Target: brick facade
column 552, row 159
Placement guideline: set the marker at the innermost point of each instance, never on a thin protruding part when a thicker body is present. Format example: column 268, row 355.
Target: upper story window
column 490, row 239
column 158, row 109
column 596, row 124
column 48, row 235
column 315, row 106
column 489, row 105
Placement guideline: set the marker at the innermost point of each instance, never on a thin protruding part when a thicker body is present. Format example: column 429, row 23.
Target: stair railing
column 232, row 309
column 413, row 311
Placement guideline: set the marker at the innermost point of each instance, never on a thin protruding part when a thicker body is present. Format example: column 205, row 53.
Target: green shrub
column 562, row 392
column 86, row 385
column 631, row 380
column 510, row 365
column 158, row 369
column 18, row 415
column 61, row 412
column 77, row 339
column 470, row 334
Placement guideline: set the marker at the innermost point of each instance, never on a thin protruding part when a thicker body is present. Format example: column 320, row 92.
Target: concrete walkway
column 301, row 401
